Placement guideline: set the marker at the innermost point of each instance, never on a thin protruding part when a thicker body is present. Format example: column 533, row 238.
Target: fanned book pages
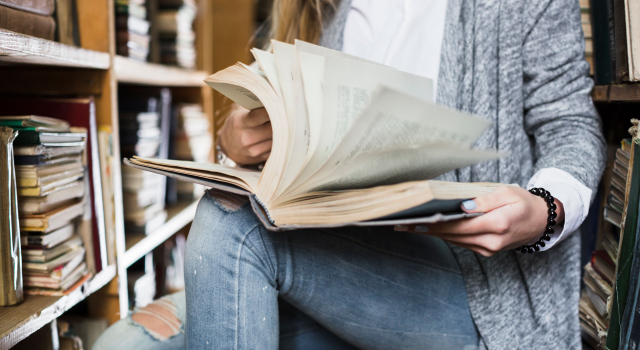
column 354, row 143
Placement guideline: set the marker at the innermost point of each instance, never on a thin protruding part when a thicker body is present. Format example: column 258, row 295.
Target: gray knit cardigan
column 519, row 64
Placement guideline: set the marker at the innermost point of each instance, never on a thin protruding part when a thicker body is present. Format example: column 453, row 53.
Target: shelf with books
column 135, row 72
column 24, row 49
column 179, row 216
column 616, row 93
column 18, row 322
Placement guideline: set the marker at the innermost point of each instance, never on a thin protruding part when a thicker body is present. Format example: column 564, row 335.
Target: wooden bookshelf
column 616, row 93
column 18, row 322
column 24, row 49
column 179, row 216
column 35, row 67
column 134, row 72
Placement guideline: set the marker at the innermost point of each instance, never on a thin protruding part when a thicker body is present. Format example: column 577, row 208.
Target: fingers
column 500, row 197
column 255, row 135
column 260, row 152
column 494, row 222
column 253, row 118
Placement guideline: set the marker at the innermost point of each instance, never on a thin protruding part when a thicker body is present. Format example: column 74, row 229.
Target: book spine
column 27, row 138
column 27, row 23
column 40, row 7
column 601, row 41
column 629, row 340
column 625, row 251
column 620, row 40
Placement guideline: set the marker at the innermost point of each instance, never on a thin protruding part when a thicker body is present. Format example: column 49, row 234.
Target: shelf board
column 179, row 216
column 134, row 72
column 18, row 322
column 24, row 49
column 616, row 93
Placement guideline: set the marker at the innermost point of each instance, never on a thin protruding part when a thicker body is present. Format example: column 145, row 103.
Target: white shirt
column 407, row 35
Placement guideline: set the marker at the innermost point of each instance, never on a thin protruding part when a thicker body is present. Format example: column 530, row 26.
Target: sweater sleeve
column 559, row 113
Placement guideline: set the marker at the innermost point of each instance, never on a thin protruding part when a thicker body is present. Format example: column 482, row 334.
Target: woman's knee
column 220, row 217
column 159, row 325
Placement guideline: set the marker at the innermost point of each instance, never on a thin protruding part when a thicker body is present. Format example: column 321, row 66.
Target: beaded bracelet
column 551, row 222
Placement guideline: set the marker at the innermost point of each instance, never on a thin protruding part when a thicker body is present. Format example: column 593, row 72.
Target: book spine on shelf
column 41, row 7
column 601, row 20
column 27, row 23
column 627, row 244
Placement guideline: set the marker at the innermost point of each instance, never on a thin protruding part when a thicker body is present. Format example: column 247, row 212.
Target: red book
column 603, row 265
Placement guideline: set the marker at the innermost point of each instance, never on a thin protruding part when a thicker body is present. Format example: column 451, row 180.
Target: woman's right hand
column 246, row 136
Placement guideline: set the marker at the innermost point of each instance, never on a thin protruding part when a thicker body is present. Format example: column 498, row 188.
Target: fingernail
column 421, row 228
column 400, row 228
column 469, row 205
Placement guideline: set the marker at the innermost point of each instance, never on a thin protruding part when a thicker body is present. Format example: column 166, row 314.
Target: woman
column 460, row 285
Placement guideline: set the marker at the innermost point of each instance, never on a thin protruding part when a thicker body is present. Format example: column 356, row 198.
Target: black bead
column 536, row 247
column 531, row 250
column 541, row 243
column 553, row 215
column 551, row 211
column 549, row 199
column 534, row 191
column 552, row 205
column 523, row 249
column 549, row 230
column 546, row 237
column 551, row 222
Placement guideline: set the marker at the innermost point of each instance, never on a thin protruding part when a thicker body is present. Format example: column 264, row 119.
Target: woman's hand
column 514, row 217
column 246, row 136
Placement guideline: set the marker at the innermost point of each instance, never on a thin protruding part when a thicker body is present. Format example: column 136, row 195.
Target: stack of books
column 142, row 282
column 51, row 188
column 174, row 25
column 132, row 29
column 193, row 141
column 143, row 193
column 585, row 17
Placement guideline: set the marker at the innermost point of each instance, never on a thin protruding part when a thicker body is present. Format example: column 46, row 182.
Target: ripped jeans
column 249, row 288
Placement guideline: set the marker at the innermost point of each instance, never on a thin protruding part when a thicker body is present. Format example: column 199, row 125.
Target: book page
column 393, row 129
column 250, row 177
column 348, row 86
column 312, row 69
column 267, row 62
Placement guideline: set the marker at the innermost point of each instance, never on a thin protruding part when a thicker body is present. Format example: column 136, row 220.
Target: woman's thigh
column 374, row 288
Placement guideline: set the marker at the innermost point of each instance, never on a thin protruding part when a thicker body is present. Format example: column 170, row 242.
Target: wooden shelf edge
column 173, row 225
column 40, row 318
column 616, row 93
column 134, row 72
column 24, row 49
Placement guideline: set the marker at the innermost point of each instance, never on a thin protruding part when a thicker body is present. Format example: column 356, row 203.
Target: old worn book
column 38, row 123
column 42, row 7
column 69, row 258
column 52, row 220
column 354, row 143
column 43, row 255
column 38, row 205
column 27, row 23
column 32, row 240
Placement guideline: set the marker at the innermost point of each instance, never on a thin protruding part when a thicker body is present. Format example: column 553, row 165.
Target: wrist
column 550, row 221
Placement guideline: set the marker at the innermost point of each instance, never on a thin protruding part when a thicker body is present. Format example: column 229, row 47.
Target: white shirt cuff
column 574, row 196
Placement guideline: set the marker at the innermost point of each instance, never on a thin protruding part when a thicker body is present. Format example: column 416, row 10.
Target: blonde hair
column 299, row 19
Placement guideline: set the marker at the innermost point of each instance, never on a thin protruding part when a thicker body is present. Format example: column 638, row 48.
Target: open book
column 354, row 142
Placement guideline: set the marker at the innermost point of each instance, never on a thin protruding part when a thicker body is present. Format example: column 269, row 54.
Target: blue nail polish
column 469, row 205
column 421, row 228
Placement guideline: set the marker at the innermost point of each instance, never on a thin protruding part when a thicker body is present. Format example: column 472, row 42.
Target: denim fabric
column 248, row 288
column 372, row 288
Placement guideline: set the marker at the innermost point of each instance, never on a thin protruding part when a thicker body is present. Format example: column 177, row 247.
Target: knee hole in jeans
column 159, row 319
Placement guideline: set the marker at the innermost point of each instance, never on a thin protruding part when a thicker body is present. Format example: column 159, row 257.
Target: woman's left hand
column 513, row 217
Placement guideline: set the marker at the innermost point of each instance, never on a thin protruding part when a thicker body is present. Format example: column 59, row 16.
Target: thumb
column 488, row 202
